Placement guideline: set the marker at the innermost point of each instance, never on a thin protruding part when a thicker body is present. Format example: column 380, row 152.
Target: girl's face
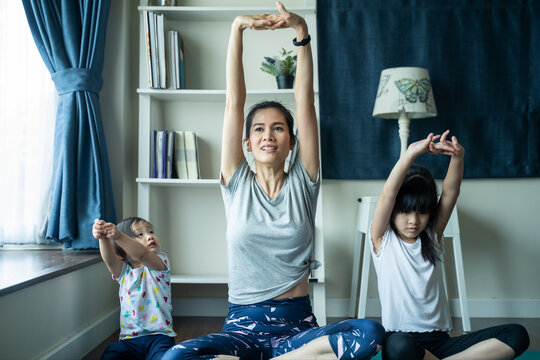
column 409, row 225
column 269, row 138
column 144, row 234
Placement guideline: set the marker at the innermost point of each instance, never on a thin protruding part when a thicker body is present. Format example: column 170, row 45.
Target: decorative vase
column 285, row 81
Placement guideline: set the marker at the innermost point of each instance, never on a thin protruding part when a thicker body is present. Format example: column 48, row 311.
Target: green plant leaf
column 269, row 68
column 283, row 64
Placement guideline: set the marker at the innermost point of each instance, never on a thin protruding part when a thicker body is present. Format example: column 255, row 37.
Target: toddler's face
column 144, row 234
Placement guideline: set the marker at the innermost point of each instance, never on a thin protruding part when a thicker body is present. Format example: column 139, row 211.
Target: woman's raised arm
column 233, row 123
column 308, row 134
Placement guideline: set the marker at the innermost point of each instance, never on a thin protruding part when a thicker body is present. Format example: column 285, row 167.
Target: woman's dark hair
column 126, row 226
column 267, row 105
column 419, row 193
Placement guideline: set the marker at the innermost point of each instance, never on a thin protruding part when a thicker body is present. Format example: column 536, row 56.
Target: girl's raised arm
column 106, row 232
column 451, row 185
column 387, row 199
column 135, row 250
column 106, row 249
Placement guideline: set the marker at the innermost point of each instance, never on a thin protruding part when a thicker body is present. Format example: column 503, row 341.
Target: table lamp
column 404, row 93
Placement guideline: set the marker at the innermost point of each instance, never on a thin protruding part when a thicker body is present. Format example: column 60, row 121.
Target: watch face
column 303, row 42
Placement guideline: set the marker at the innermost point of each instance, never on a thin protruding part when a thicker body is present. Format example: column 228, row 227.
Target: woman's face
column 269, row 138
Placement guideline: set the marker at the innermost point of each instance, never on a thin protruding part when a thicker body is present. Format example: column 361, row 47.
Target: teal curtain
column 484, row 62
column 70, row 36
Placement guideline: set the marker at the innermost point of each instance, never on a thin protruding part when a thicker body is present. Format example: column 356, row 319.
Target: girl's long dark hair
column 419, row 193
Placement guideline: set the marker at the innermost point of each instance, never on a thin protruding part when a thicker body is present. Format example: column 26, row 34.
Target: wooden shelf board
column 179, row 182
column 217, row 13
column 214, row 95
column 212, row 279
column 199, row 279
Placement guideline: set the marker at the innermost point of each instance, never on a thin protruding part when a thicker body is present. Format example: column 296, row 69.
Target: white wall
column 499, row 235
column 118, row 100
column 69, row 315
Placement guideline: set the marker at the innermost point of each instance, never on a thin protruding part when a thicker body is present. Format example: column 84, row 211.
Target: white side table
column 366, row 207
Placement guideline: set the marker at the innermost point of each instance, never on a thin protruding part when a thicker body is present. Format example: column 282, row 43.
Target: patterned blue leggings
column 275, row 327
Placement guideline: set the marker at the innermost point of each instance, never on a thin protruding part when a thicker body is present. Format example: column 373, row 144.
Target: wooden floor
column 190, row 327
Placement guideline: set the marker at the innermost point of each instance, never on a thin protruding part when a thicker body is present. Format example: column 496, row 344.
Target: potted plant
column 283, row 67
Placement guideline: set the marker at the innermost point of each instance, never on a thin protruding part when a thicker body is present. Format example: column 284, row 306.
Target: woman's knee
column 367, row 328
column 400, row 346
column 357, row 339
column 371, row 327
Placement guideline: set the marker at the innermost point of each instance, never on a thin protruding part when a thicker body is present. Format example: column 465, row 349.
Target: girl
column 132, row 254
column 406, row 233
column 270, row 223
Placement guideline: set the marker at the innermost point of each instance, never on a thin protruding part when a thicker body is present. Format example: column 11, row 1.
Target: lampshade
column 404, row 93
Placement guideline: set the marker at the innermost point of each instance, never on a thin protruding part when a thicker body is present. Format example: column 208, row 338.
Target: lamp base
column 404, row 124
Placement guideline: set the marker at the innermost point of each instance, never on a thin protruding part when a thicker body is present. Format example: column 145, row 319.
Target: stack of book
column 174, row 155
column 165, row 59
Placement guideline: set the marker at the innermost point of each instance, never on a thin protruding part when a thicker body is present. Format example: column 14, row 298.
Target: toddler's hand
column 103, row 230
column 111, row 231
column 97, row 229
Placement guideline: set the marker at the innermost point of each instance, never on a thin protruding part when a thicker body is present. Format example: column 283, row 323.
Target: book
column 180, row 155
column 164, row 154
column 181, row 62
column 177, row 61
column 160, row 30
column 147, row 42
column 169, row 157
column 192, row 156
column 153, row 48
column 171, row 74
column 161, row 138
column 153, row 165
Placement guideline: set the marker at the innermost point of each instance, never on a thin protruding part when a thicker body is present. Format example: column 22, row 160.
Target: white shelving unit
column 189, row 214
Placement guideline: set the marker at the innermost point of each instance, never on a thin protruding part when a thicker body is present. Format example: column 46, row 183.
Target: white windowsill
column 23, row 268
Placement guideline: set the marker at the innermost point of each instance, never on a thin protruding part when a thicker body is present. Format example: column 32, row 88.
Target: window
column 27, row 117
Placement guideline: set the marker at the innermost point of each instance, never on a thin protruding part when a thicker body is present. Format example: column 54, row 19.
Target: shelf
column 179, row 182
column 215, row 95
column 221, row 13
column 211, row 279
column 191, row 213
column 199, row 279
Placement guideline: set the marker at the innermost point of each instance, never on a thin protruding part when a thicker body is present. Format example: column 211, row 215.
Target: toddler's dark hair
column 419, row 193
column 126, row 226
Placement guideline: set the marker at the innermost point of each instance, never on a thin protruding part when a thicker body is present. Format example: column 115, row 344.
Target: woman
column 270, row 222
